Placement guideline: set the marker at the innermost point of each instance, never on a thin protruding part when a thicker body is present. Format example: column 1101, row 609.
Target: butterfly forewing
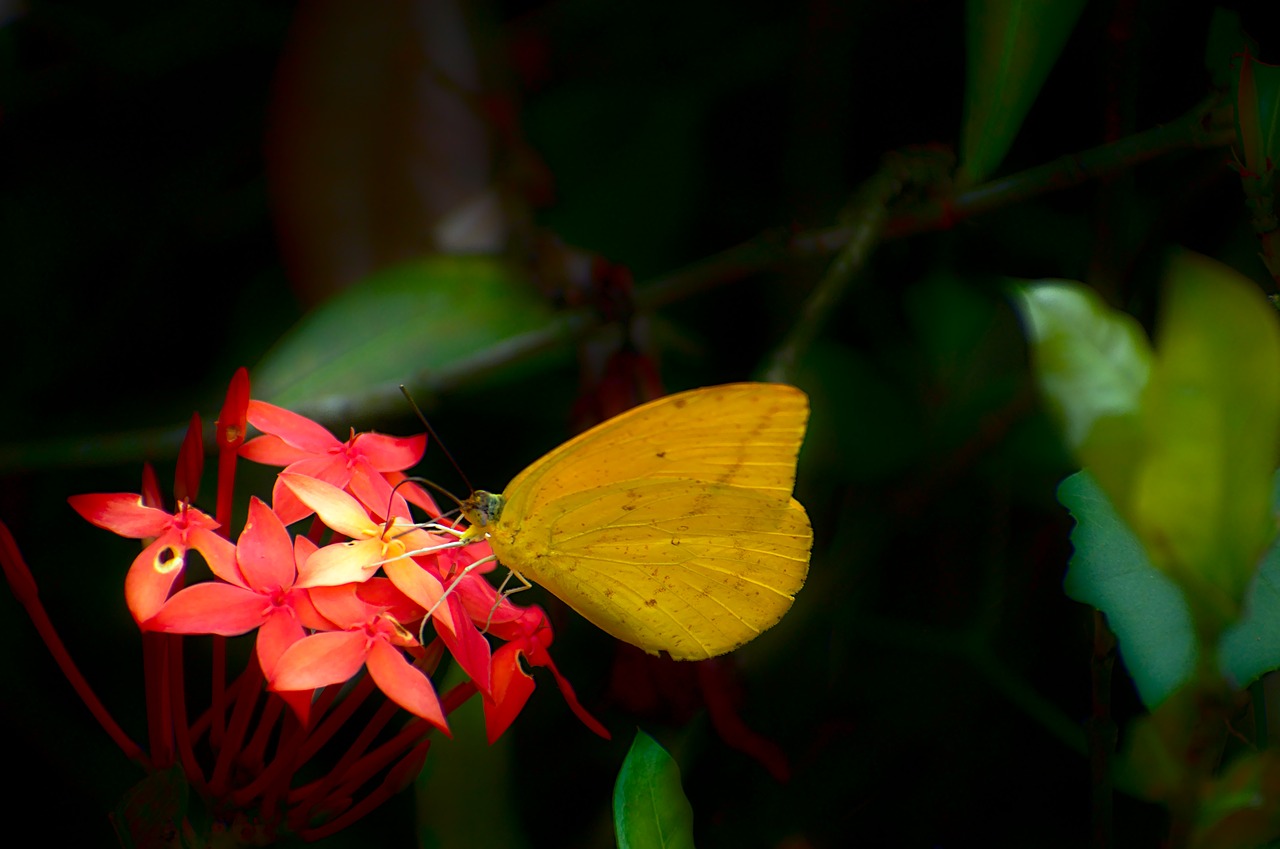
column 741, row 434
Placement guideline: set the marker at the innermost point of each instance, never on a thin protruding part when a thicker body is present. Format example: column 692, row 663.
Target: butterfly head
column 482, row 510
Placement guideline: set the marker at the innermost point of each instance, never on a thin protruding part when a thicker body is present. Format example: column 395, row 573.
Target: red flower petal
column 151, row 576
column 272, row 451
column 341, row 563
column 465, row 643
column 329, row 469
column 336, row 508
column 415, row 582
column 373, row 491
column 280, row 630
column 211, row 608
column 121, row 513
column 385, row 597
column 218, row 552
column 319, row 660
column 390, row 453
column 511, row 688
column 405, row 684
column 340, row 606
column 294, row 429
column 264, row 551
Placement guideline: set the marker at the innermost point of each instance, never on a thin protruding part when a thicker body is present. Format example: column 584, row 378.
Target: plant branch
column 1208, row 125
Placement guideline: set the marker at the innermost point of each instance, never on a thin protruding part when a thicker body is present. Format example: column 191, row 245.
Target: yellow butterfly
column 671, row 526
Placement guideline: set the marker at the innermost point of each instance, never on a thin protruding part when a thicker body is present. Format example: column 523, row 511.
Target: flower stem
column 23, row 583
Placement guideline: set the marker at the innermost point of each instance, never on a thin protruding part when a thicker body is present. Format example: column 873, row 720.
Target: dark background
column 932, row 678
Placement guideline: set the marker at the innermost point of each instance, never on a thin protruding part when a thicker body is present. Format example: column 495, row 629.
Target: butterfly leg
column 422, row 630
column 429, row 550
column 504, row 593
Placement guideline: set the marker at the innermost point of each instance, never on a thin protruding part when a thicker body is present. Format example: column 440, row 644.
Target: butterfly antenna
column 440, row 442
column 427, row 482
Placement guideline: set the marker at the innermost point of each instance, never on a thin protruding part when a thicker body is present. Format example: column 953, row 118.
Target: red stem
column 155, row 665
column 24, row 587
column 230, row 748
column 177, row 702
column 393, row 783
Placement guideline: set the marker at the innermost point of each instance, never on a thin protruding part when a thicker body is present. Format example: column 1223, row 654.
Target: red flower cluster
column 322, row 613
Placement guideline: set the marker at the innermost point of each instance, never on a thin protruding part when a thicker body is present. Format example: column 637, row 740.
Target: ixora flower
column 155, row 570
column 307, row 449
column 378, row 608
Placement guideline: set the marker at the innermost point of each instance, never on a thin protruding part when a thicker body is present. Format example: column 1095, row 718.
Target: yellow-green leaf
column 1211, row 417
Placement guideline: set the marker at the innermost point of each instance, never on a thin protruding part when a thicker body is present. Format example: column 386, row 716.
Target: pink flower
column 372, row 542
column 372, row 636
column 258, row 592
column 154, row 571
column 305, row 448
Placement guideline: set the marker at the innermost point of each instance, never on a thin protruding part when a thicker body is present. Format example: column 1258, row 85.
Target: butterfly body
column 671, row 526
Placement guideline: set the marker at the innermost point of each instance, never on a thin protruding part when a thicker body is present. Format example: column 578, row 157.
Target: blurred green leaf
column 1154, row 760
column 464, row 796
column 1251, row 647
column 650, row 810
column 1227, row 40
column 1012, row 45
column 1111, row 571
column 429, row 314
column 1091, row 362
column 1241, row 808
column 1186, row 458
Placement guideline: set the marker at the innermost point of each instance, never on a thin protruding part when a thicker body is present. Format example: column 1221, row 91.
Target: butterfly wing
column 671, row 526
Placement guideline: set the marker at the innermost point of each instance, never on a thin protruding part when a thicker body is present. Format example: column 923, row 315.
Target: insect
column 671, row 526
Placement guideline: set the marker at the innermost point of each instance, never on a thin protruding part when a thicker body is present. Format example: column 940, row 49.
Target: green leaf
column 1144, row 607
column 1012, row 45
column 1110, row 570
column 650, row 810
column 429, row 314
